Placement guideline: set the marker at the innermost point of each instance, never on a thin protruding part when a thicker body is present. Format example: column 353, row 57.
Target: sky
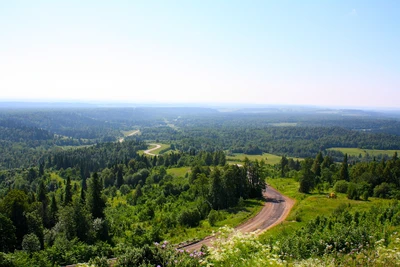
column 325, row 53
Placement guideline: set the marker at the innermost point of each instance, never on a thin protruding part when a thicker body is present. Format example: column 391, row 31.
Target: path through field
column 148, row 151
column 132, row 133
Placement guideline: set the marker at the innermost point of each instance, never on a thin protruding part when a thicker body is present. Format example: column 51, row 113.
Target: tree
column 120, row 178
column 95, row 200
column 307, row 182
column 42, row 197
column 316, row 168
column 344, row 170
column 14, row 205
column 7, row 237
column 35, row 225
column 138, row 193
column 53, row 211
column 255, row 176
column 217, row 192
column 283, row 165
column 31, row 243
column 68, row 192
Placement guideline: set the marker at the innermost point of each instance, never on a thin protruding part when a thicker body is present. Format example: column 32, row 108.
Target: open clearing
column 352, row 151
column 272, row 159
column 128, row 133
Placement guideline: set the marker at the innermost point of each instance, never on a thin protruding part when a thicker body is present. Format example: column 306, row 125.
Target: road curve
column 276, row 209
column 148, row 151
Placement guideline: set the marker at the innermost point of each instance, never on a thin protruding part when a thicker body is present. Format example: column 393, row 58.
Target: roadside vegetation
column 71, row 191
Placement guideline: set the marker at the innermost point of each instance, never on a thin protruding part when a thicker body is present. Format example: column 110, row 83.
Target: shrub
column 189, row 218
column 212, row 217
column 383, row 190
column 124, row 189
column 341, row 186
column 31, row 243
column 352, row 191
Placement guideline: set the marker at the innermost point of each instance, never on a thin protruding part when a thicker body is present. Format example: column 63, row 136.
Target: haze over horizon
column 325, row 53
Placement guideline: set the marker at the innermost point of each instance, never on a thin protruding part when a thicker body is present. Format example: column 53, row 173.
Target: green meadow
column 238, row 158
column 352, row 151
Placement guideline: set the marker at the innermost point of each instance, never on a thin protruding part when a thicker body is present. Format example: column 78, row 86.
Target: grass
column 238, row 158
column 178, row 172
column 309, row 206
column 352, row 151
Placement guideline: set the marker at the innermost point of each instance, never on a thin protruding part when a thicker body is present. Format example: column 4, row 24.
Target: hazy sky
column 342, row 53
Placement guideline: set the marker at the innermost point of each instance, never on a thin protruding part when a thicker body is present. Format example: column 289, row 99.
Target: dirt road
column 132, row 133
column 275, row 211
column 148, row 151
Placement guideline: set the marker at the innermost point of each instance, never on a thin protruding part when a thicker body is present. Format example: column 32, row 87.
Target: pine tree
column 307, row 182
column 83, row 189
column 42, row 197
column 283, row 164
column 120, row 177
column 344, row 170
column 68, row 192
column 316, row 168
column 94, row 199
column 53, row 211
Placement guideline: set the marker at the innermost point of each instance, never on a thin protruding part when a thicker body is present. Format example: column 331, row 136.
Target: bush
column 212, row 217
column 352, row 191
column 341, row 186
column 383, row 190
column 31, row 243
column 189, row 218
column 124, row 189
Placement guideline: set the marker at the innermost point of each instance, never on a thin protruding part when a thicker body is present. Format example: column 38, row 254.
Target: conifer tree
column 344, row 170
column 94, row 198
column 68, row 192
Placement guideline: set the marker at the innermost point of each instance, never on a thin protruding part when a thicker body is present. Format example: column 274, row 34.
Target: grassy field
column 178, row 172
column 309, row 206
column 238, row 158
column 357, row 151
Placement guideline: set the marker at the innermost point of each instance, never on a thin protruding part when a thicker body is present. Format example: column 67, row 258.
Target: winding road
column 276, row 209
column 148, row 151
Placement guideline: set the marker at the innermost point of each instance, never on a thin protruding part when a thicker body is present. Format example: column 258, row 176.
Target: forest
column 75, row 187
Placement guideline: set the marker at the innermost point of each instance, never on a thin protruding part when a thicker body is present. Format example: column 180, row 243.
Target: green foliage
column 353, row 192
column 95, row 200
column 14, row 205
column 30, row 243
column 307, row 178
column 341, row 186
column 189, row 217
column 7, row 237
column 212, row 217
column 124, row 189
column 68, row 192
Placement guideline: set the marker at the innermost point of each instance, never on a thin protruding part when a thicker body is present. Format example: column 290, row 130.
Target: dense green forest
column 72, row 191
